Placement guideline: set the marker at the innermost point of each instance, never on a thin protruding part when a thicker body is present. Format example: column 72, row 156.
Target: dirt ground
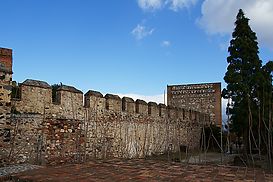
column 142, row 170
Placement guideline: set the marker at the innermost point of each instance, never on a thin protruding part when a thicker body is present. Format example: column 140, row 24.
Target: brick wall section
column 64, row 141
column 6, row 58
column 101, row 127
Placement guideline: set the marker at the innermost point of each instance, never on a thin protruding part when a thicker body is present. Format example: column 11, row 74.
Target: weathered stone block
column 128, row 105
column 70, row 96
column 113, row 102
column 94, row 100
column 141, row 107
column 35, row 96
column 153, row 109
column 163, row 110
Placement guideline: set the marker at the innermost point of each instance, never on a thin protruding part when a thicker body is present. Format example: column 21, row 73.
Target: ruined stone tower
column 203, row 97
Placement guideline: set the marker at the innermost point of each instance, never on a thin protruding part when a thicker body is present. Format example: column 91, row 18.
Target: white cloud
column 174, row 5
column 150, row 4
column 140, row 31
column 152, row 98
column 165, row 43
column 218, row 17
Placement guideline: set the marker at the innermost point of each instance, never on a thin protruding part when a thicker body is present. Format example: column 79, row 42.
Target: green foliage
column 249, row 84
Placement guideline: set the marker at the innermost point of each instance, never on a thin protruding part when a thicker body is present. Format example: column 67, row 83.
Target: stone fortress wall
column 79, row 127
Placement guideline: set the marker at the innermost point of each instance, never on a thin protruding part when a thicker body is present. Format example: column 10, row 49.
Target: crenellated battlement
column 113, row 102
column 128, row 105
column 36, row 97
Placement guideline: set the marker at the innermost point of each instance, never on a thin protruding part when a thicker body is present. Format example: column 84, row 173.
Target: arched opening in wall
column 56, row 97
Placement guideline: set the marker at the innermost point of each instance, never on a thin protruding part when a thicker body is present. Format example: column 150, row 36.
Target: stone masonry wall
column 71, row 130
column 125, row 135
column 21, row 144
column 5, row 98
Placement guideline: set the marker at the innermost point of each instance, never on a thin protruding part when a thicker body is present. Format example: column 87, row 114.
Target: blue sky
column 129, row 47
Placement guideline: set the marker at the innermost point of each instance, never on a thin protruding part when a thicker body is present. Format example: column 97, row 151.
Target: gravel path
column 8, row 170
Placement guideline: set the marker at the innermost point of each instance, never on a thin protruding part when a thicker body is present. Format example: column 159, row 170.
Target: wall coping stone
column 152, row 104
column 128, row 99
column 93, row 93
column 69, row 89
column 36, row 83
column 138, row 101
column 5, row 51
column 162, row 105
column 112, row 96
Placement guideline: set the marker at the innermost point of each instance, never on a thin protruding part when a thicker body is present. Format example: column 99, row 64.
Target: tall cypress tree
column 242, row 77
